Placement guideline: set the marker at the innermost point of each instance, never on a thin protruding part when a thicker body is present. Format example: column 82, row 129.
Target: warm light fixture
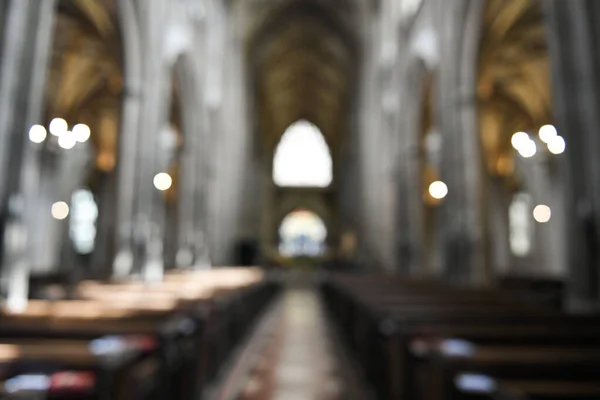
column 547, row 132
column 81, row 132
column 542, row 213
column 58, row 126
column 438, row 190
column 60, row 210
column 37, row 134
column 519, row 140
column 66, row 140
column 162, row 181
column 527, row 149
column 557, row 145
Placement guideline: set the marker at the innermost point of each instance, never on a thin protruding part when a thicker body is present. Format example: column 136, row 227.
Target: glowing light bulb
column 542, row 213
column 66, row 140
column 438, row 190
column 557, row 145
column 81, row 132
column 528, row 149
column 58, row 126
column 162, row 181
column 547, row 132
column 37, row 134
column 60, row 210
column 519, row 140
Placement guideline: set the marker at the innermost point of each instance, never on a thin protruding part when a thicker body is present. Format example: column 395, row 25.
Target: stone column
column 200, row 229
column 150, row 211
column 461, row 159
column 574, row 46
column 188, row 172
column 410, row 190
column 215, row 38
column 27, row 42
column 27, row 37
column 128, row 138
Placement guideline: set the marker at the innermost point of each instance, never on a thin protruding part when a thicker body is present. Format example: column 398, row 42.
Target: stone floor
column 302, row 359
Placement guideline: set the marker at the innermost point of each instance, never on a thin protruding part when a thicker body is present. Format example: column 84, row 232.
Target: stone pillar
column 574, row 47
column 27, row 36
column 150, row 211
column 461, row 158
column 211, row 224
column 200, row 229
column 128, row 138
column 26, row 47
column 188, row 172
column 410, row 190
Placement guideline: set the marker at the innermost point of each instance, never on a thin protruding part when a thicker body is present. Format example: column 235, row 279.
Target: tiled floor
column 306, row 368
column 302, row 360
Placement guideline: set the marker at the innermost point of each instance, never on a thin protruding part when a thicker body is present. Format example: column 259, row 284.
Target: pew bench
column 80, row 369
column 194, row 320
column 395, row 329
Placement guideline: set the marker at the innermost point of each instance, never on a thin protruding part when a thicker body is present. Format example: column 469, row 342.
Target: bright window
column 83, row 221
column 302, row 157
column 520, row 225
column 302, row 233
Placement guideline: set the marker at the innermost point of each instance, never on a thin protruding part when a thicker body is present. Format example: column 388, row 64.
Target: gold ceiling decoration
column 85, row 79
column 514, row 82
column 304, row 66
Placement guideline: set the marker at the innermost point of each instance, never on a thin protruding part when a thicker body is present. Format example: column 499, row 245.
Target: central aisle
column 306, row 367
column 302, row 360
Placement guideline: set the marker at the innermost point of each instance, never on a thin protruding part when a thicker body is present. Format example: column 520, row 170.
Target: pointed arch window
column 302, row 157
column 302, row 233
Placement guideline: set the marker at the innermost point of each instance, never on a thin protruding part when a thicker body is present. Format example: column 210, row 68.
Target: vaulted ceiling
column 514, row 82
column 85, row 79
column 303, row 59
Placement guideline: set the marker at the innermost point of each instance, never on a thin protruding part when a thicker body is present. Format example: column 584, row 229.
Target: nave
column 409, row 190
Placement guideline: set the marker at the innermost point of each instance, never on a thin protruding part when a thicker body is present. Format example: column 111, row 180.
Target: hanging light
column 528, row 149
column 557, row 145
column 37, row 134
column 58, row 126
column 547, row 133
column 542, row 213
column 438, row 190
column 519, row 140
column 81, row 132
column 66, row 140
column 60, row 210
column 162, row 181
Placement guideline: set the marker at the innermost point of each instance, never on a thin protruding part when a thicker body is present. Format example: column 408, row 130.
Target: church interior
column 299, row 199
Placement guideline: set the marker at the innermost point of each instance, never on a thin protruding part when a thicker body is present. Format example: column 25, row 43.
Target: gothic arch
column 311, row 203
column 302, row 157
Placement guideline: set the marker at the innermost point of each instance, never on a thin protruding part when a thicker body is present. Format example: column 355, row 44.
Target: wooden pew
column 382, row 316
column 483, row 387
column 547, row 390
column 187, row 320
column 80, row 369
